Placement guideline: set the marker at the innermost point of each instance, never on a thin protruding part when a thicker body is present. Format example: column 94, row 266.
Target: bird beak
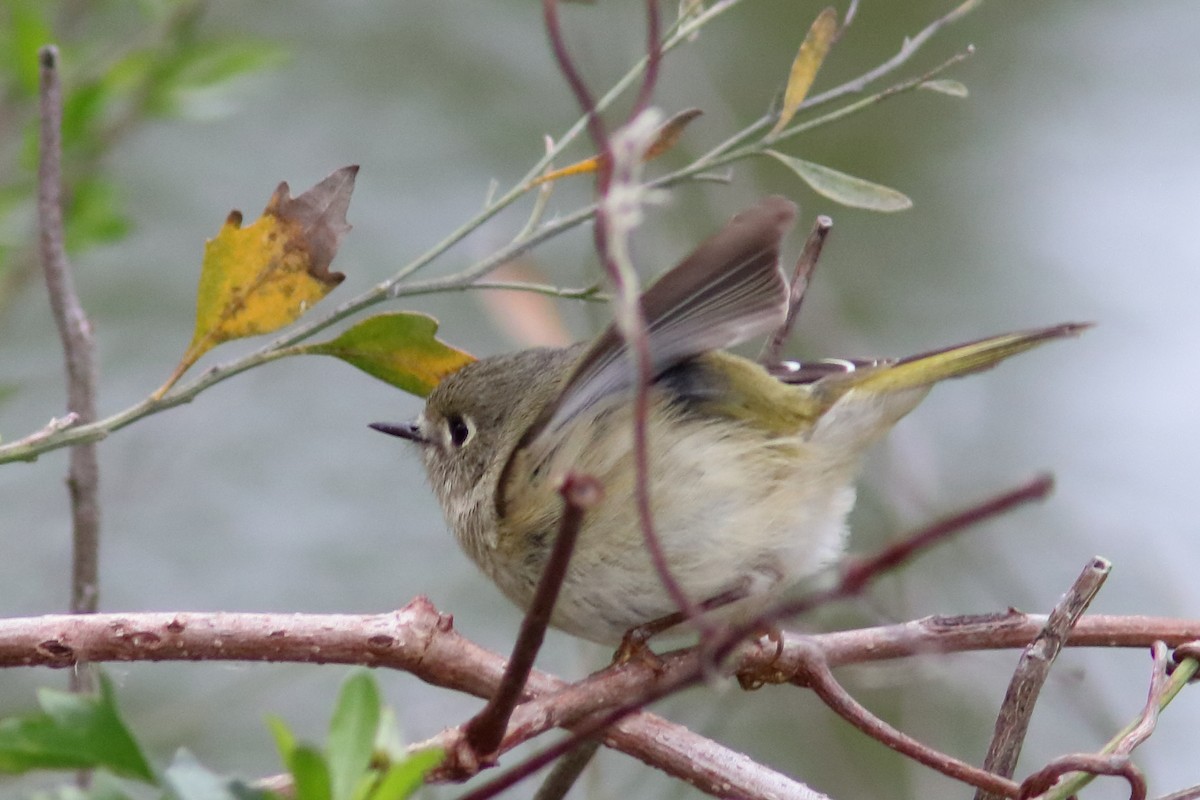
column 405, row 430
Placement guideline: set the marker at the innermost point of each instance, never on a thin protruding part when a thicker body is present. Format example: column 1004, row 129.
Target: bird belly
column 734, row 509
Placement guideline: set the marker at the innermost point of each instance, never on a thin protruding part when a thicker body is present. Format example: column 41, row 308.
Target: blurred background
column 1064, row 188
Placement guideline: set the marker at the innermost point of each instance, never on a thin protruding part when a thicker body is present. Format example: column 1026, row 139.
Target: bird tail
column 855, row 407
column 929, row 368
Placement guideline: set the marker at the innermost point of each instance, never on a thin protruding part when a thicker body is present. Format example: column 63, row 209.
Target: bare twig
column 857, row 573
column 592, row 292
column 1090, row 763
column 610, row 246
column 486, row 729
column 78, row 348
column 30, row 447
column 817, row 676
column 587, row 730
column 567, row 771
column 1148, row 719
column 1012, row 722
column 1162, row 690
column 800, row 280
column 910, row 46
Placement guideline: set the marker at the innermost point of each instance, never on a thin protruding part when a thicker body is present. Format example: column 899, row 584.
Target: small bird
column 751, row 470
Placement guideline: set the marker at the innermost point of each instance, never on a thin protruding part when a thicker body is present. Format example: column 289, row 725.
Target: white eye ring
column 460, row 429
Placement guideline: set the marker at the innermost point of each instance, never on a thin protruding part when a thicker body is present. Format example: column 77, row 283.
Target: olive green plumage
column 751, row 471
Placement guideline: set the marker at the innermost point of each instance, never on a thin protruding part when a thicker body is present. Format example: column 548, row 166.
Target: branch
column 1012, row 722
column 57, row 435
column 1113, row 758
column 620, row 195
column 485, row 730
column 416, row 639
column 817, row 676
column 857, row 573
column 800, row 280
column 907, row 50
column 83, row 474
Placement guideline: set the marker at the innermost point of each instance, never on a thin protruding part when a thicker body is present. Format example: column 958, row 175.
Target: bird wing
column 728, row 290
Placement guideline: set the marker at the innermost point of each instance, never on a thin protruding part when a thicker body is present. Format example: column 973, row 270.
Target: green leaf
column 842, row 188
column 310, row 774
column 74, row 731
column 188, row 779
column 403, row 779
column 352, row 733
column 285, row 741
column 398, row 348
column 946, row 86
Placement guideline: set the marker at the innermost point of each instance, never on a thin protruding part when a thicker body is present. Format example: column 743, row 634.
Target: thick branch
column 416, row 639
column 421, row 641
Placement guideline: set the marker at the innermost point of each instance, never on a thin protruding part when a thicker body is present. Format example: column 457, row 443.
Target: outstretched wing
column 728, row 290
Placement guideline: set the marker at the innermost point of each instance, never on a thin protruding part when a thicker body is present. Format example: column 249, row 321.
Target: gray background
column 1063, row 189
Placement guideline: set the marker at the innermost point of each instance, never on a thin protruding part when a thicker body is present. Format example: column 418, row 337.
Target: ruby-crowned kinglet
column 751, row 471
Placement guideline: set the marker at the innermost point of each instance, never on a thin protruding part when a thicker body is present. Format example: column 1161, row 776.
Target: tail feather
column 852, row 409
column 926, row 369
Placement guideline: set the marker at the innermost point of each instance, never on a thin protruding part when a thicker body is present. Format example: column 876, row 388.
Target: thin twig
column 878, row 97
column 567, row 770
column 486, row 729
column 857, row 573
column 30, row 447
column 909, row 48
column 592, row 293
column 1092, row 764
column 629, row 318
column 580, row 734
column 818, row 677
column 1147, row 721
column 78, row 349
column 1190, row 793
column 1012, row 722
column 800, row 280
column 1163, row 690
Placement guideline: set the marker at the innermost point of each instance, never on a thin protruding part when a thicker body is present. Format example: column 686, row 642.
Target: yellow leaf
column 399, row 348
column 811, row 55
column 667, row 137
column 259, row 278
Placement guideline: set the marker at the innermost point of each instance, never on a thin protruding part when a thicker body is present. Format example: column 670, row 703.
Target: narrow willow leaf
column 398, row 348
column 809, row 59
column 946, row 86
column 845, row 189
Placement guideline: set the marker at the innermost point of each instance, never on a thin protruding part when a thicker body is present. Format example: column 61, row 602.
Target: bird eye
column 459, row 430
